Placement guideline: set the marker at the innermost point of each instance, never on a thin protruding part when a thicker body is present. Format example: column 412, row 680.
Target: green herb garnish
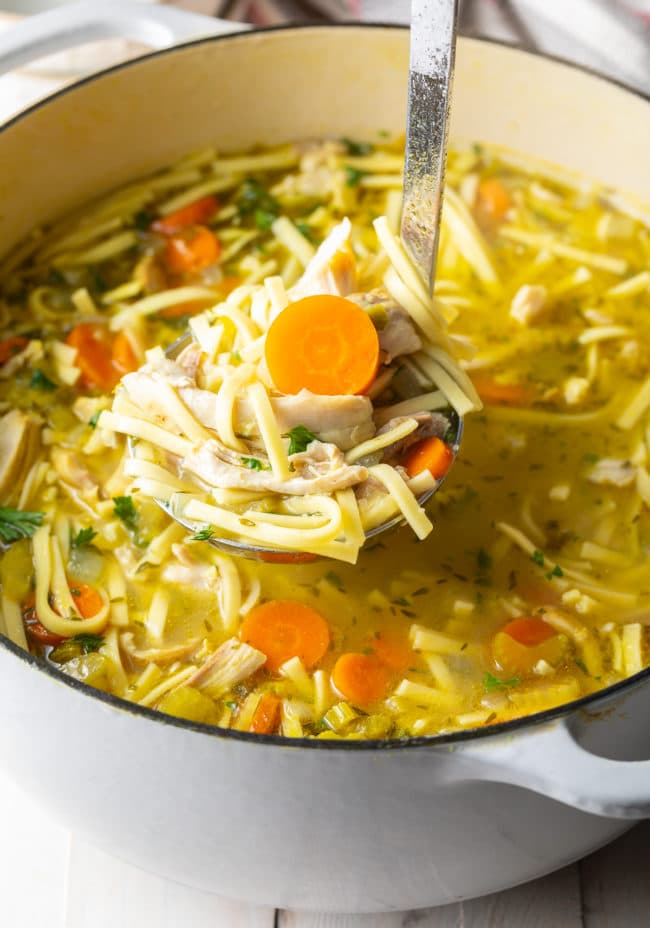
column 253, row 198
column 83, row 537
column 537, row 557
column 253, row 463
column 591, row 458
column 16, row 524
column 203, row 534
column 358, row 149
column 88, row 643
column 491, row 682
column 353, row 176
column 264, row 218
column 305, row 229
column 41, row 381
column 94, row 419
column 556, row 572
column 483, row 559
column 335, row 580
column 125, row 510
column 581, row 664
column 142, row 220
column 299, row 437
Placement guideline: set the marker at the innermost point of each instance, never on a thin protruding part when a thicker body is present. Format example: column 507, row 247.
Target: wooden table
column 50, row 879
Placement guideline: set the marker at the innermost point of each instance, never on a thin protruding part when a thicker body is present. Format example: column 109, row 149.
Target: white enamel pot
column 314, row 825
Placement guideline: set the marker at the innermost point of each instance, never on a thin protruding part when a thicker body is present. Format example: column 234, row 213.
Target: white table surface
column 51, row 879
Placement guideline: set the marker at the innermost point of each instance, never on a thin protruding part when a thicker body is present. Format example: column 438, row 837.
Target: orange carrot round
column 86, row 599
column 12, row 346
column 123, row 356
column 283, row 629
column 393, row 651
column 325, row 344
column 494, row 198
column 503, row 394
column 94, row 355
column 360, row 678
column 431, row 454
column 196, row 213
column 266, row 716
column 192, row 249
column 529, row 631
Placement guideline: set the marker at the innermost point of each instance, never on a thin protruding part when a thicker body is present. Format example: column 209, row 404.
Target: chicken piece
column 70, row 468
column 19, row 444
column 231, row 663
column 188, row 569
column 397, row 334
column 614, row 471
column 344, row 421
column 316, row 175
column 320, row 469
column 332, row 269
column 157, row 655
column 429, row 423
column 528, row 303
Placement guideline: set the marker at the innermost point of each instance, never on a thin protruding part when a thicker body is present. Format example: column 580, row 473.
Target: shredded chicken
column 157, row 655
column 614, row 471
column 231, row 663
column 19, row 443
column 189, row 570
column 429, row 423
column 332, row 269
column 528, row 303
column 320, row 469
column 345, row 421
column 70, row 468
column 397, row 334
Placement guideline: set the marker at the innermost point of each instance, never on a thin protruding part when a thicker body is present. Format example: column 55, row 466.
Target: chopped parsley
column 204, row 534
column 83, row 537
column 299, row 437
column 125, row 510
column 491, row 682
column 581, row 664
column 16, row 524
column 537, row 557
column 353, row 176
column 483, row 559
column 556, row 572
column 253, row 464
column 40, row 381
column 88, row 643
column 142, row 220
column 357, row 149
column 590, row 458
column 94, row 419
column 264, row 219
column 335, row 580
column 305, row 229
column 255, row 201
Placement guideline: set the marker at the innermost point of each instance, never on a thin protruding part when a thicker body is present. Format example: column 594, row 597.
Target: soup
column 531, row 590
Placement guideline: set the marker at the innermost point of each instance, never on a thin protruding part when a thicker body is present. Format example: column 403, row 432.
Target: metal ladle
column 433, row 45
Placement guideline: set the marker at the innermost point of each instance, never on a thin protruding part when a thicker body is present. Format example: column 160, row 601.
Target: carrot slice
column 283, row 629
column 267, row 715
column 12, row 346
column 196, row 213
column 523, row 642
column 34, row 628
column 360, row 678
column 393, row 651
column 124, row 357
column 504, row 394
column 325, row 344
column 494, row 198
column 94, row 355
column 431, row 454
column 192, row 249
column 86, row 599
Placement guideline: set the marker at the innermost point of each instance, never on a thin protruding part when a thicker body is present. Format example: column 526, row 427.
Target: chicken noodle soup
column 531, row 590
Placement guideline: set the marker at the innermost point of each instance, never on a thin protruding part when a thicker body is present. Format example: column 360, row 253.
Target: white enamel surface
column 319, row 829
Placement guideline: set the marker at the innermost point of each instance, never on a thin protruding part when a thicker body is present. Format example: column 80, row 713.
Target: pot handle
column 552, row 762
column 92, row 20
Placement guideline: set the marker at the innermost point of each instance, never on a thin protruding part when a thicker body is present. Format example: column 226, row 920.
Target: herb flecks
column 204, row 534
column 537, row 557
column 94, row 419
column 125, row 511
column 334, row 579
column 253, row 464
column 556, row 572
column 357, row 149
column 353, row 177
column 40, row 381
column 88, row 642
column 490, row 682
column 17, row 523
column 299, row 438
column 83, row 538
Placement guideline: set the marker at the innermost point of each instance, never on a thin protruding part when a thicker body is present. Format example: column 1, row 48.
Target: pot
column 339, row 826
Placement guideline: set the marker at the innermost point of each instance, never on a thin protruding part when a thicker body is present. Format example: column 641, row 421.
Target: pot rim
column 429, row 741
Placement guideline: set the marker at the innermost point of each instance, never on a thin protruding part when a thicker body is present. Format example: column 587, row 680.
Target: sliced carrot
column 283, row 629
column 431, row 454
column 94, row 355
column 266, row 716
column 192, row 249
column 123, row 356
column 393, row 651
column 86, row 599
column 523, row 642
column 34, row 628
column 290, row 557
column 196, row 213
column 325, row 344
column 12, row 346
column 494, row 198
column 360, row 678
column 503, row 394
column 184, row 309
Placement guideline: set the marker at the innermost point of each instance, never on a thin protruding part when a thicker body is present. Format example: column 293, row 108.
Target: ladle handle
column 433, row 45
